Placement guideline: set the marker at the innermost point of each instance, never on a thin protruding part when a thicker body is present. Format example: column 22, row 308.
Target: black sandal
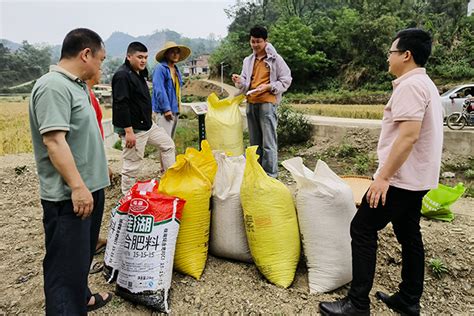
column 96, row 267
column 99, row 301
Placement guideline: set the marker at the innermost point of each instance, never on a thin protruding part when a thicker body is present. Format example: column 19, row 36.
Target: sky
column 39, row 21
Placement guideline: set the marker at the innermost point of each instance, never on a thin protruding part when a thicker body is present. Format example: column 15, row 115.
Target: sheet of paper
column 252, row 91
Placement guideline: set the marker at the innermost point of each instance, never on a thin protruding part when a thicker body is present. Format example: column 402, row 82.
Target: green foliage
column 346, row 150
column 25, row 64
column 149, row 151
column 361, row 96
column 118, row 145
column 438, row 268
column 293, row 127
column 187, row 135
column 295, row 43
column 343, row 44
column 364, row 163
column 109, row 67
column 469, row 173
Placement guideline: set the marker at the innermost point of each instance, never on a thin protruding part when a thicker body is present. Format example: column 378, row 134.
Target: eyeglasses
column 394, row 51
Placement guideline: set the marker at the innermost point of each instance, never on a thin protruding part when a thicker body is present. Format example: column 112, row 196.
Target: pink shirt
column 414, row 98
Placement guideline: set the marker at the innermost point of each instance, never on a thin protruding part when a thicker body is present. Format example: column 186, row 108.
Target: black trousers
column 403, row 209
column 70, row 246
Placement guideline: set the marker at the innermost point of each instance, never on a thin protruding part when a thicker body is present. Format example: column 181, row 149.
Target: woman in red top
column 101, row 242
column 95, row 103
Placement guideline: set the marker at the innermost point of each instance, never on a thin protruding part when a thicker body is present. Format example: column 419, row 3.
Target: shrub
column 293, row 127
column 118, row 145
column 346, row 150
column 438, row 268
column 362, row 164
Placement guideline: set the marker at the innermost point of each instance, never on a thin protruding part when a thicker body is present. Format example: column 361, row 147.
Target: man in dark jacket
column 131, row 116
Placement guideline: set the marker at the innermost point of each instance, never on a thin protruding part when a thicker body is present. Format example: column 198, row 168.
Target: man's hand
column 130, row 138
column 236, row 78
column 264, row 87
column 82, row 201
column 169, row 116
column 377, row 191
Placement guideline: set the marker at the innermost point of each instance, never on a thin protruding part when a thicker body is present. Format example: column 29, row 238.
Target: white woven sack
column 228, row 238
column 325, row 210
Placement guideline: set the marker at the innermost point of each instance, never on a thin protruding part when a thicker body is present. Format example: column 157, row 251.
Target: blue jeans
column 262, row 123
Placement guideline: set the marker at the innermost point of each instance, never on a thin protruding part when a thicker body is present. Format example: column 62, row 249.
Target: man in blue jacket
column 167, row 83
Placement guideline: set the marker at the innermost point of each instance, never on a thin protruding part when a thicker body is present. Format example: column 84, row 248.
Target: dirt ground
column 226, row 287
column 202, row 89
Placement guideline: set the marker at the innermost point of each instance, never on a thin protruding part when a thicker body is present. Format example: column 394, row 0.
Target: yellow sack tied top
column 224, row 124
column 270, row 222
column 190, row 178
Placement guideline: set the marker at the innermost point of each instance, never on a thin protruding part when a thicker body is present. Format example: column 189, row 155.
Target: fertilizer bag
column 118, row 227
column 270, row 222
column 187, row 182
column 224, row 124
column 148, row 249
column 325, row 210
column 228, row 239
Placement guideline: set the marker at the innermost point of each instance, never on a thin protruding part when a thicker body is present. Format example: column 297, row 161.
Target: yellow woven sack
column 270, row 222
column 187, row 182
column 203, row 160
column 224, row 124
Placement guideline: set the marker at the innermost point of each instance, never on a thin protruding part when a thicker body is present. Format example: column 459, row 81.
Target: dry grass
column 359, row 111
column 15, row 136
column 14, row 126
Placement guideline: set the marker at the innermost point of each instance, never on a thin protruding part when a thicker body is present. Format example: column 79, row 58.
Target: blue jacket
column 164, row 93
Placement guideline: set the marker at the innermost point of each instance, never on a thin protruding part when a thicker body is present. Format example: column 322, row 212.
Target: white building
column 470, row 8
column 197, row 66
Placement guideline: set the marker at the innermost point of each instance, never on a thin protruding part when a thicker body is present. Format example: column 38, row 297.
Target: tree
column 343, row 43
column 295, row 42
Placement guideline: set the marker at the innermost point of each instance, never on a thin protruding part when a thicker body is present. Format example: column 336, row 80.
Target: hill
column 116, row 44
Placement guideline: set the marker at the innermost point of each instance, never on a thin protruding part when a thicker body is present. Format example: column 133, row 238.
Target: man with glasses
column 409, row 154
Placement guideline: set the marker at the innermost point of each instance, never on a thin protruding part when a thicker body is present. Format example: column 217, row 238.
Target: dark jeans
column 262, row 123
column 70, row 246
column 402, row 208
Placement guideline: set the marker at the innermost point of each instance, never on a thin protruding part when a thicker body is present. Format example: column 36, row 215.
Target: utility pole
column 222, row 77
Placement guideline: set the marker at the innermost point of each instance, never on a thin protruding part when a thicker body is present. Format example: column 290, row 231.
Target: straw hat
column 184, row 51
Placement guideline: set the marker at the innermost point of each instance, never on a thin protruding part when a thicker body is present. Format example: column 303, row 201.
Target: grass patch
column 14, row 126
column 293, row 127
column 187, row 135
column 340, row 97
column 358, row 111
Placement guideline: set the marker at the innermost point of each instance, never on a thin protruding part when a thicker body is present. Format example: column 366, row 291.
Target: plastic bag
column 118, row 227
column 270, row 222
column 224, row 124
column 325, row 208
column 186, row 181
column 228, row 239
column 437, row 201
column 203, row 160
column 148, row 249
